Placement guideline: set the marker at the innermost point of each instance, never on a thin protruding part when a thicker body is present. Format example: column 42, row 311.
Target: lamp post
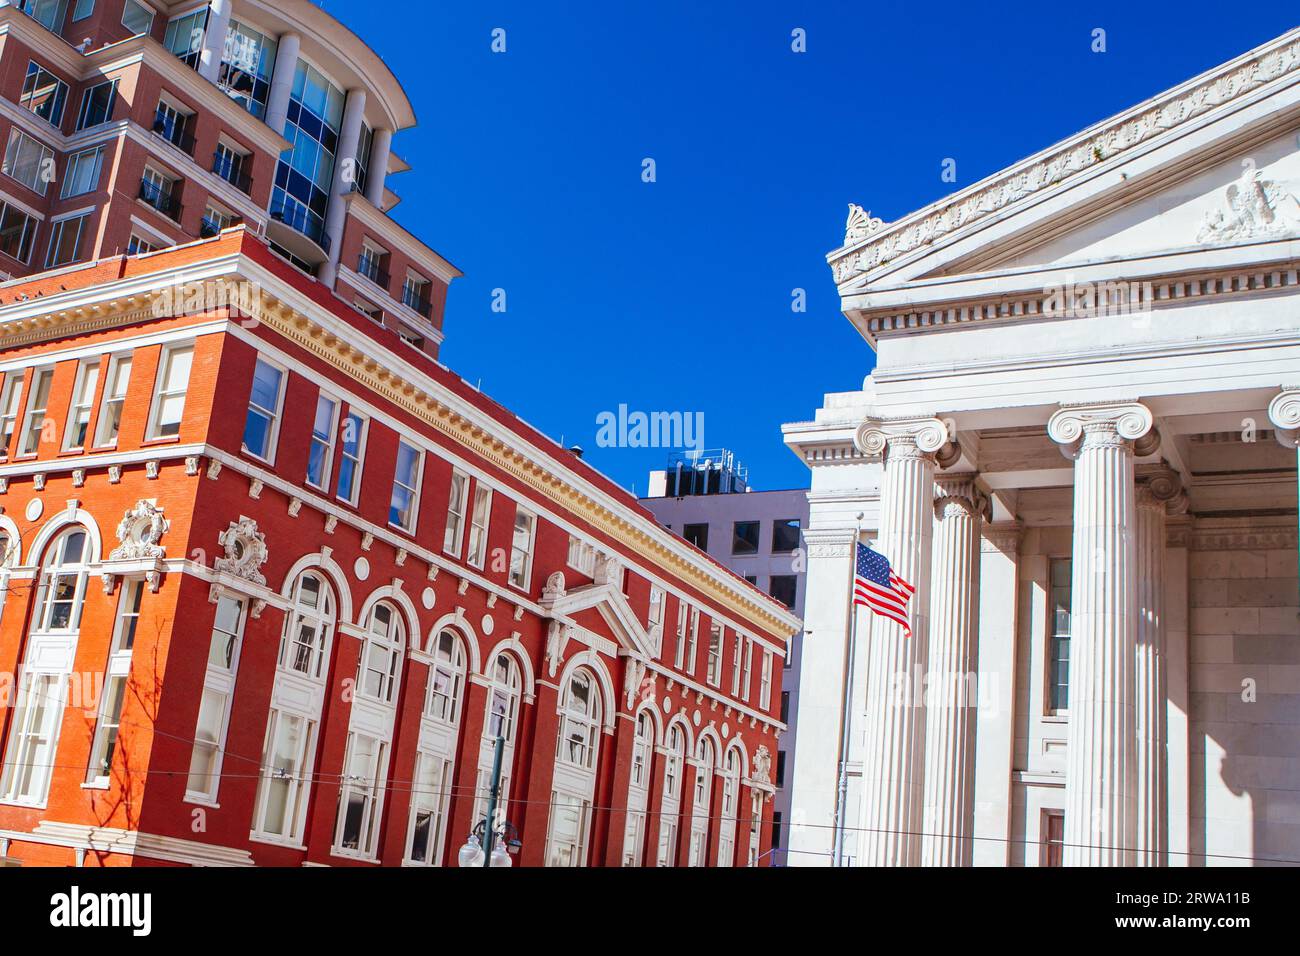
column 485, row 849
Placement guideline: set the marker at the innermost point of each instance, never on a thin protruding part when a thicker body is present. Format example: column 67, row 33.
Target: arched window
column 700, row 805
column 580, row 722
column 435, row 761
column 638, row 790
column 34, row 730
column 446, row 678
column 308, row 627
column 577, row 753
column 385, row 641
column 502, row 720
column 730, row 807
column 674, row 760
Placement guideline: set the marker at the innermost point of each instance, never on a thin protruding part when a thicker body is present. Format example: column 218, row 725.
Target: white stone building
column 1079, row 443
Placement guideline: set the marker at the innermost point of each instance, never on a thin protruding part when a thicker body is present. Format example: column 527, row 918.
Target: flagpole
column 846, row 718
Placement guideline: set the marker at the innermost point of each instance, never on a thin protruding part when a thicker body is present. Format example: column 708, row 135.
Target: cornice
column 392, row 231
column 871, row 244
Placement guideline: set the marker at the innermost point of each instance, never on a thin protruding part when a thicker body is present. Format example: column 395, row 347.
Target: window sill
column 161, row 440
column 409, row 532
column 200, row 801
column 249, row 453
column 357, row 857
column 272, row 841
column 95, row 786
column 1060, row 717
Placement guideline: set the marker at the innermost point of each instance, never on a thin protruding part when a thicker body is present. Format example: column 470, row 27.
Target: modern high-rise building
column 275, row 583
column 706, row 498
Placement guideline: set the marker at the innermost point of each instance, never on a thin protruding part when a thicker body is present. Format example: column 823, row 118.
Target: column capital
column 1161, row 487
column 1284, row 413
column 830, row 542
column 1004, row 536
column 959, row 492
column 1075, row 426
column 906, row 436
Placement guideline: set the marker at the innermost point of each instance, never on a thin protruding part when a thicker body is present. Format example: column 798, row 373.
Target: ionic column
column 1284, row 413
column 1157, row 492
column 286, row 66
column 1100, row 805
column 214, row 39
column 890, row 817
column 949, row 808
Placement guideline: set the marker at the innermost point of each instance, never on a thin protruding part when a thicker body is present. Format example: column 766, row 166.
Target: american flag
column 880, row 589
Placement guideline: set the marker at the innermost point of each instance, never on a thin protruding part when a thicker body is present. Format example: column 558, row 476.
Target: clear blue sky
column 676, row 295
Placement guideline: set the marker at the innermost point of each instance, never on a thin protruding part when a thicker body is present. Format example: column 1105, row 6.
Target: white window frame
column 327, row 443
column 479, row 522
column 75, row 160
column 701, row 804
column 747, row 675
column 298, row 773
column 370, row 786
column 582, row 556
column 430, row 797
column 19, row 140
column 679, row 652
column 116, row 671
column 358, row 459
column 453, row 536
column 765, row 682
column 33, row 417
column 392, row 644
column 10, row 409
column 271, row 415
column 116, row 383
column 217, row 680
column 82, row 404
column 161, row 393
column 523, row 580
column 143, row 9
column 57, row 229
column 56, row 122
column 414, row 488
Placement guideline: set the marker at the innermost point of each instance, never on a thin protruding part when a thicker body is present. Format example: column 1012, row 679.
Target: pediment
column 602, row 609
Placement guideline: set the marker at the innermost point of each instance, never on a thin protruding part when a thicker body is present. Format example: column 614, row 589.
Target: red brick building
column 274, row 580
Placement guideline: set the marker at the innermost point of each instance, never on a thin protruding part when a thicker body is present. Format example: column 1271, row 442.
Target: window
column 173, row 124
column 138, row 247
column 17, row 233
column 81, row 175
column 184, row 36
column 566, row 843
column 214, row 706
column 1053, row 838
column 233, row 166
column 321, row 455
column 580, row 722
column 9, row 399
column 410, row 337
column 44, row 94
column 169, row 391
column 785, row 535
column 634, row 833
column 247, row 62
column 730, row 807
column 679, row 658
column 354, row 437
column 747, row 672
column 284, row 784
column 744, row 537
column 655, row 619
column 713, row 662
column 501, row 720
column 697, row 534
column 446, row 679
column 692, row 640
column 214, row 220
column 104, row 742
column 97, row 105
column 429, row 798
column 304, row 645
column 582, row 556
column 372, row 312
column 137, row 17
column 357, row 830
column 671, row 801
column 503, row 699
column 65, row 241
column 404, row 505
column 30, row 752
column 700, row 804
column 521, row 549
column 62, row 587
column 365, row 143
column 38, row 399
column 415, row 294
column 370, row 263
column 454, row 533
column 382, row 653
column 49, row 13
column 114, row 398
column 765, row 683
column 784, row 587
column 28, row 161
column 83, row 401
column 305, row 174
column 83, row 9
column 478, row 525
column 1058, row 682
column 780, row 768
column 785, row 706
column 737, row 659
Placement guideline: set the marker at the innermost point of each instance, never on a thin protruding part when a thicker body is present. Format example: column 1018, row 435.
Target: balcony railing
column 232, row 173
column 369, row 268
column 418, row 303
column 174, row 132
column 161, row 199
column 296, row 215
column 209, row 227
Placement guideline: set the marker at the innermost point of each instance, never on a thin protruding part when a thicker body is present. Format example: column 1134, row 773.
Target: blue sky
column 676, row 295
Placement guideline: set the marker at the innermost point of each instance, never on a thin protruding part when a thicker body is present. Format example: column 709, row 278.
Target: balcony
column 233, row 173
column 174, row 132
column 294, row 228
column 418, row 303
column 209, row 227
column 161, row 199
column 369, row 267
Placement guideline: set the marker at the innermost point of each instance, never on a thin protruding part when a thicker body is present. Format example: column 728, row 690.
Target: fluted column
column 1158, row 492
column 949, row 809
column 890, row 817
column 1100, row 805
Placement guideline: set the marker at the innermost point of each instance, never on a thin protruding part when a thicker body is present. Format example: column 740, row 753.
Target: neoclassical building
column 1079, row 444
column 274, row 582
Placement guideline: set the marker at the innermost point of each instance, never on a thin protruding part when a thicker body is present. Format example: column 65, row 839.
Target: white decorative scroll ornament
column 557, row 637
column 1284, row 413
column 860, row 224
column 554, row 589
column 245, row 549
column 139, row 532
column 762, row 770
column 927, row 435
column 633, row 677
column 1258, row 208
column 609, row 570
column 1130, row 421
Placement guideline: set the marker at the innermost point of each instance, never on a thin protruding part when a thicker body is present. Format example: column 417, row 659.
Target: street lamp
column 498, row 845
